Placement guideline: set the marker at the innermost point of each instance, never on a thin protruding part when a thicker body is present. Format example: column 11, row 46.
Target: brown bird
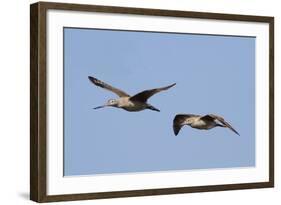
column 205, row 122
column 134, row 103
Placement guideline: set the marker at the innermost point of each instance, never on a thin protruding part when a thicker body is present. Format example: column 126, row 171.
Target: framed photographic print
column 135, row 102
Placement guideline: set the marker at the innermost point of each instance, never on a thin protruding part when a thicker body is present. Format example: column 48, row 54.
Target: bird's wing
column 179, row 121
column 144, row 95
column 101, row 84
column 220, row 119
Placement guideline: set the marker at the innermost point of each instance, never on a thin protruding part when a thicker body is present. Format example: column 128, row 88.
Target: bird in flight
column 129, row 103
column 205, row 122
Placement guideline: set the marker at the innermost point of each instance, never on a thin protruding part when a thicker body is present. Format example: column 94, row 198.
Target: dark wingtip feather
column 172, row 85
column 95, row 81
column 177, row 124
column 176, row 132
column 92, row 79
column 236, row 132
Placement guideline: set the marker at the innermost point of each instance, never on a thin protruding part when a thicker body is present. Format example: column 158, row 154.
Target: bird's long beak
column 102, row 106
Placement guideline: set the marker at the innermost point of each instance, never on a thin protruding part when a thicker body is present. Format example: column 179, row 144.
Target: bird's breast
column 201, row 124
column 133, row 106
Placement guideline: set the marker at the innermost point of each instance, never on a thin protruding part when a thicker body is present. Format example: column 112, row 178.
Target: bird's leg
column 152, row 108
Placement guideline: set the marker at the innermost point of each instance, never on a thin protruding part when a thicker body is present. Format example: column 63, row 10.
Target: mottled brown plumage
column 144, row 95
column 200, row 122
column 104, row 85
column 137, row 102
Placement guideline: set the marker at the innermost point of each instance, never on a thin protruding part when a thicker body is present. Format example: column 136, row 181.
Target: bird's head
column 189, row 121
column 111, row 102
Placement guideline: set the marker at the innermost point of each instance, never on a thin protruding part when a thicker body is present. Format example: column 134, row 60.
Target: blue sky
column 214, row 74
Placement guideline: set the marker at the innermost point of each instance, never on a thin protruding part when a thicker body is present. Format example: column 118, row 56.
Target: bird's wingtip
column 176, row 132
column 169, row 86
column 235, row 132
column 91, row 78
